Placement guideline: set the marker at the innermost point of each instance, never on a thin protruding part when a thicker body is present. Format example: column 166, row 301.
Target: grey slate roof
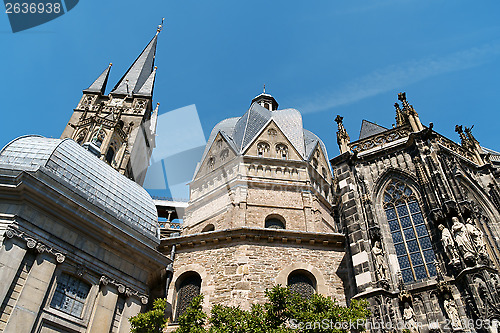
column 84, row 174
column 241, row 132
column 368, row 129
column 99, row 85
column 139, row 72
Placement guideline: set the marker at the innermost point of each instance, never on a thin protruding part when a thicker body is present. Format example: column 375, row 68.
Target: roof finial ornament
column 160, row 27
column 343, row 139
column 264, row 89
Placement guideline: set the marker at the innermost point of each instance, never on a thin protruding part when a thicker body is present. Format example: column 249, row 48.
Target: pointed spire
column 147, row 87
column 343, row 139
column 154, row 119
column 99, row 85
column 139, row 72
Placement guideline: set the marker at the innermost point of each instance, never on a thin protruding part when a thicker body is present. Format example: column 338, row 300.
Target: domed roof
column 71, row 165
column 241, row 132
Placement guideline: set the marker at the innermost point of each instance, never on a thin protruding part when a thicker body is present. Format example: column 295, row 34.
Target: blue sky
column 323, row 58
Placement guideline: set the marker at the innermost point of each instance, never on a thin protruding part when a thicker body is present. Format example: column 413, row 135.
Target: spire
column 147, row 87
column 99, row 85
column 343, row 139
column 140, row 71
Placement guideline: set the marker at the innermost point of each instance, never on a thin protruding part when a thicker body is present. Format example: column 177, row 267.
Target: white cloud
column 395, row 76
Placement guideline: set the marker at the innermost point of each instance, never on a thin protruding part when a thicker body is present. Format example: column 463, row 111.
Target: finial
column 158, row 104
column 458, row 129
column 156, row 67
column 264, row 89
column 110, row 64
column 339, row 119
column 160, row 27
column 402, row 96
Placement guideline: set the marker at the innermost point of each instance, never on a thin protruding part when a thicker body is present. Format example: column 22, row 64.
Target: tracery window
column 70, row 295
column 262, row 148
column 282, row 151
column 81, row 136
column 409, row 233
column 302, row 283
column 188, row 289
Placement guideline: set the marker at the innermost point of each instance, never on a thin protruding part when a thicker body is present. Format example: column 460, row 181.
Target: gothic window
column 220, row 142
column 273, row 222
column 189, row 288
column 282, row 151
column 70, row 295
column 110, row 154
column 315, row 162
column 302, row 283
column 262, row 148
column 81, row 137
column 99, row 138
column 409, row 233
column 272, row 132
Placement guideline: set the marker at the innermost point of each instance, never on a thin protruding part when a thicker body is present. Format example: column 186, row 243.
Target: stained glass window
column 70, row 295
column 409, row 233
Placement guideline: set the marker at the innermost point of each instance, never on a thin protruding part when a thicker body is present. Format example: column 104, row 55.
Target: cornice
column 123, row 289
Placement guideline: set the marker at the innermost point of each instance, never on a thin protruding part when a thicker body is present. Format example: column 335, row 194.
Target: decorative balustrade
column 380, row 139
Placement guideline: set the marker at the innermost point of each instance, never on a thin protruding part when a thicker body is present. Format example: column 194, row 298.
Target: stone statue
column 462, row 238
column 449, row 244
column 451, row 310
column 379, row 261
column 477, row 237
column 410, row 318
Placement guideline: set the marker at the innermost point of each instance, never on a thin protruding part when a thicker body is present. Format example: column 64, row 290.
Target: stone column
column 30, row 300
column 102, row 317
column 11, row 257
column 132, row 307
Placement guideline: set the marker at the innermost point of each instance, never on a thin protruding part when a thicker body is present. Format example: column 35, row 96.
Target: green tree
column 284, row 312
column 152, row 321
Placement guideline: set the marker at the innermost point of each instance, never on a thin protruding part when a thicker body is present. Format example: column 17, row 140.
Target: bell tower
column 120, row 127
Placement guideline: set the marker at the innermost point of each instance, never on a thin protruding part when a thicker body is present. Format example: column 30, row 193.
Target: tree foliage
column 152, row 321
column 284, row 312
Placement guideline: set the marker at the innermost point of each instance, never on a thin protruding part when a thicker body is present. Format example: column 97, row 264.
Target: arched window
column 262, row 148
column 81, row 137
column 409, row 233
column 110, row 154
column 70, row 295
column 302, row 282
column 208, row 227
column 282, row 151
column 274, row 222
column 188, row 288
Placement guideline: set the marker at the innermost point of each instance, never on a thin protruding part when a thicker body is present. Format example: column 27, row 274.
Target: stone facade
column 443, row 183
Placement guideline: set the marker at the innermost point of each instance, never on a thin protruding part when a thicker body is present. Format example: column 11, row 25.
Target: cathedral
column 403, row 217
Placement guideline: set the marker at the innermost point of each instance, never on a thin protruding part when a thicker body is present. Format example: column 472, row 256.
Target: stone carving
column 410, row 318
column 451, row 310
column 32, row 243
column 477, row 238
column 123, row 289
column 343, row 138
column 385, row 137
column 380, row 264
column 449, row 245
column 463, row 240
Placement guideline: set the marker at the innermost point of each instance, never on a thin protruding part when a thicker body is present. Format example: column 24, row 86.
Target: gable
column 269, row 143
column 220, row 153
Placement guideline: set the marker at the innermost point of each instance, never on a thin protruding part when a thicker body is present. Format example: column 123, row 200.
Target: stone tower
column 120, row 127
column 260, row 214
column 422, row 216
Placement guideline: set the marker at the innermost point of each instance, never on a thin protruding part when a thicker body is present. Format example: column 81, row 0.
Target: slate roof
column 368, row 129
column 241, row 132
column 78, row 170
column 99, row 85
column 140, row 71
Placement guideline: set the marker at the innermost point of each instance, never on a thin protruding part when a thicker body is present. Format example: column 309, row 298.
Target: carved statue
column 462, row 238
column 380, row 264
column 477, row 237
column 449, row 244
column 410, row 318
column 451, row 310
